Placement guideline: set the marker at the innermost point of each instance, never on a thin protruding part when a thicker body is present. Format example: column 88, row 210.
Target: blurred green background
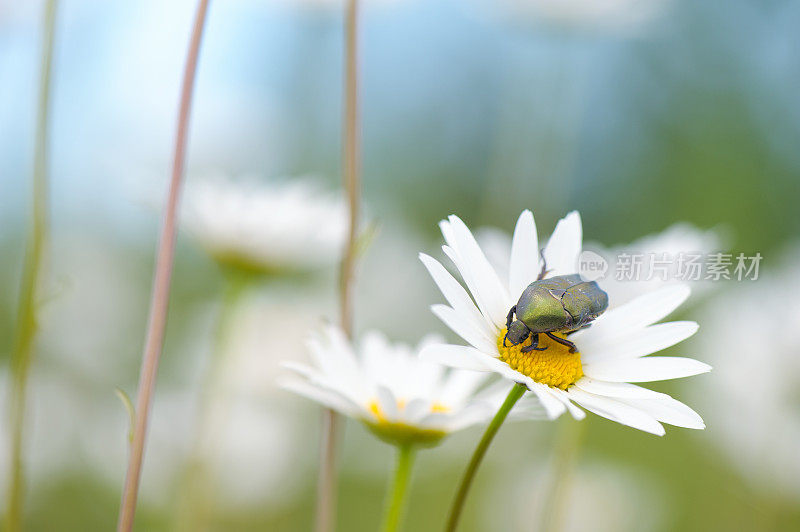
column 644, row 115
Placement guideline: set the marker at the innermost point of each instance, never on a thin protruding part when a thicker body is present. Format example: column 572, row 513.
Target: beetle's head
column 517, row 333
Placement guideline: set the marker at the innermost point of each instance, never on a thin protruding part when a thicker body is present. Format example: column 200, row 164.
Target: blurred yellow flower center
column 398, row 432
column 374, row 407
column 439, row 407
column 555, row 366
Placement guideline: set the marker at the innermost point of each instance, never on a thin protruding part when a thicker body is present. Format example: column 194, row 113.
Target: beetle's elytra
column 564, row 303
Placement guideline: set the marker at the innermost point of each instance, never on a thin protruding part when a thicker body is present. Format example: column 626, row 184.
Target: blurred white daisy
column 265, row 227
column 760, row 435
column 610, row 355
column 397, row 395
column 666, row 259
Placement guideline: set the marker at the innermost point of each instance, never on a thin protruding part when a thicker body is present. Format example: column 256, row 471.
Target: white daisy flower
column 265, row 226
column 611, row 354
column 400, row 397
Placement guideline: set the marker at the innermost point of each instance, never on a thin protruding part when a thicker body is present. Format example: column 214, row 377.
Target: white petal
column 324, row 381
column 435, row 420
column 529, row 407
column 638, row 343
column 447, row 231
column 641, row 312
column 457, row 356
column 618, row 390
column 387, row 403
column 301, row 369
column 375, row 354
column 469, row 279
column 416, row 409
column 524, row 266
column 492, row 297
column 552, row 404
column 496, row 245
column 668, row 410
column 564, row 246
column 651, row 307
column 341, row 344
column 458, row 386
column 477, row 338
column 659, row 405
column 469, row 416
column 504, row 370
column 327, row 398
column 617, row 411
column 430, row 339
column 428, row 376
column 454, row 293
column 334, row 356
column 646, row 369
column 576, row 412
column 319, row 354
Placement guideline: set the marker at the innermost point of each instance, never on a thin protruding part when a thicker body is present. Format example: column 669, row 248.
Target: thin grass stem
column 27, row 323
column 162, row 278
column 351, row 174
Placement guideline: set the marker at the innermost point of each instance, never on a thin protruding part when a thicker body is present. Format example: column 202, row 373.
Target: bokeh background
column 640, row 114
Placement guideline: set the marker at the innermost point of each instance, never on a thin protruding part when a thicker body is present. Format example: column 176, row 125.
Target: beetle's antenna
column 544, row 269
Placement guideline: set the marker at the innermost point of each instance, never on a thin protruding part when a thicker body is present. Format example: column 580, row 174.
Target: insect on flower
column 609, row 356
column 565, row 303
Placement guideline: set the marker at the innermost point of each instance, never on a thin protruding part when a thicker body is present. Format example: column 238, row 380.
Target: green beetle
column 564, row 303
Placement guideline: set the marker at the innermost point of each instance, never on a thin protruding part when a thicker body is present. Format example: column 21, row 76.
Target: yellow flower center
column 554, row 366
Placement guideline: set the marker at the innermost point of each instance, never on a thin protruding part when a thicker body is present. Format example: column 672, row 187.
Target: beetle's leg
column 580, row 329
column 543, row 271
column 562, row 341
column 534, row 345
column 509, row 319
column 510, row 316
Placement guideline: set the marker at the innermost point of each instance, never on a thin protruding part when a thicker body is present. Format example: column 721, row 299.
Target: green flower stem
column 195, row 506
column 23, row 350
column 402, row 475
column 458, row 503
